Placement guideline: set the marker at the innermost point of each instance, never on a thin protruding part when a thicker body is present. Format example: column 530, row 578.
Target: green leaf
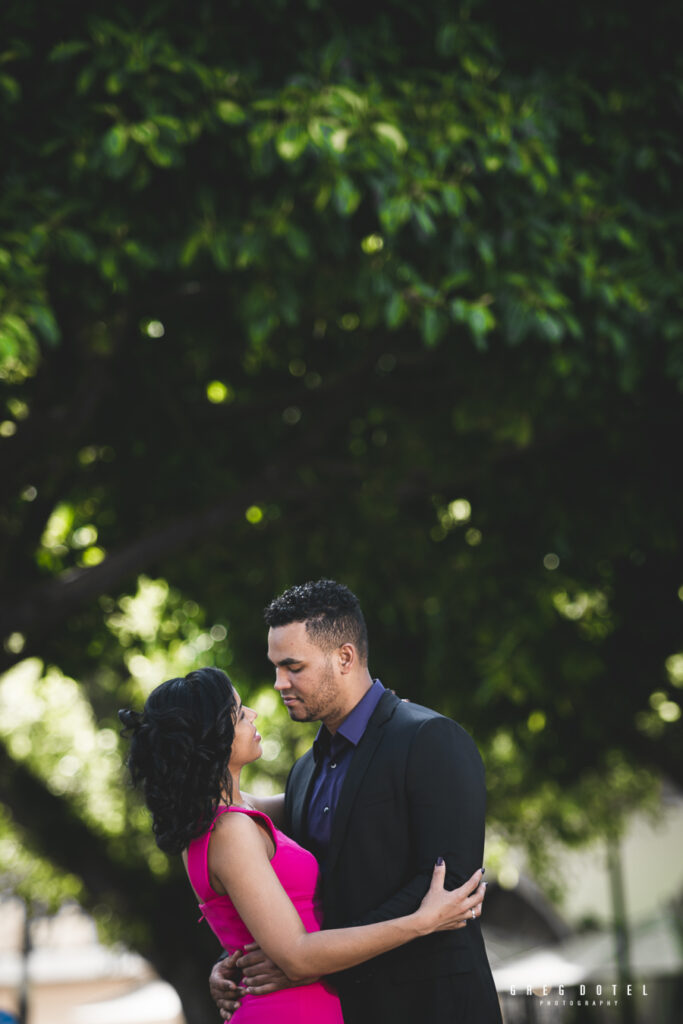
column 10, row 87
column 350, row 98
column 46, row 324
column 453, row 199
column 447, row 39
column 115, row 141
column 191, row 247
column 298, row 243
column 424, row 219
column 162, row 156
column 144, row 133
column 63, row 51
column 396, row 310
column 78, row 245
column 391, row 134
column 15, row 326
column 230, row 112
column 395, row 212
column 485, row 250
column 455, row 280
column 433, row 326
column 339, row 139
column 551, row 326
column 481, row 320
column 346, row 196
column 291, row 141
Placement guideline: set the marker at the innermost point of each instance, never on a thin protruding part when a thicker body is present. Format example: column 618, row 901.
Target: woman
column 253, row 883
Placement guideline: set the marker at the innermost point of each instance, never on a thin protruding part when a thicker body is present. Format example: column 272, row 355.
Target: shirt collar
column 354, row 725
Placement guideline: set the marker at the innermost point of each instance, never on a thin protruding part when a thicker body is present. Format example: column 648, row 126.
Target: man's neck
column 355, row 695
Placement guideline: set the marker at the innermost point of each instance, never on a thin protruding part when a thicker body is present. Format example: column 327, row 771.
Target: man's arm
column 273, row 806
column 446, row 794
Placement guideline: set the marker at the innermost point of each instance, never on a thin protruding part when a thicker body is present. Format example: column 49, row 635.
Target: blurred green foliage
column 287, row 293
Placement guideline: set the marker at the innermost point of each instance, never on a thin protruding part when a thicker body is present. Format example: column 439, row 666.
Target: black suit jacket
column 414, row 791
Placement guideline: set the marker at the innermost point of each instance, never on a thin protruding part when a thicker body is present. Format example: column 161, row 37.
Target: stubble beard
column 324, row 703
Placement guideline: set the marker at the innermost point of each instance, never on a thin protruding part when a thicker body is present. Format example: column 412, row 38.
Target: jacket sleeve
column 446, row 797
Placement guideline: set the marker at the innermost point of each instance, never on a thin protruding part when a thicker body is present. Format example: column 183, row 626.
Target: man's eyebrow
column 289, row 661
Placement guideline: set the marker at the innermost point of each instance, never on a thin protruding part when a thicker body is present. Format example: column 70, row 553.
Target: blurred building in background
column 534, row 947
column 71, row 978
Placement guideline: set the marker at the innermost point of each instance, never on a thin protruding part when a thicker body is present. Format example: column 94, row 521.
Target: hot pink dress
column 298, row 872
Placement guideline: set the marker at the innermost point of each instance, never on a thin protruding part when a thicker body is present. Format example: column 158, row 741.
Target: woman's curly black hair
column 179, row 751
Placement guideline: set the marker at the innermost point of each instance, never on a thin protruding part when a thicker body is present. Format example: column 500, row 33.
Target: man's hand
column 261, row 975
column 224, row 985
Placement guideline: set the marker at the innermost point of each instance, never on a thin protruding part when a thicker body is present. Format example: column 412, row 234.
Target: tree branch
column 51, row 602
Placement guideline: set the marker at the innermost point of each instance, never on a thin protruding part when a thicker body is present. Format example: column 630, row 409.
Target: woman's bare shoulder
column 239, row 835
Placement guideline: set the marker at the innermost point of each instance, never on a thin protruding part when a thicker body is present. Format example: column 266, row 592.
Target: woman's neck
column 236, row 797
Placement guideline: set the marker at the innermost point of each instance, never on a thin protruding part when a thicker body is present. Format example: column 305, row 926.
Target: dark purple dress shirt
column 332, row 757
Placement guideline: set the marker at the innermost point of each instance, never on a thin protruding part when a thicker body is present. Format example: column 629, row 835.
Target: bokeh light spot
column 372, row 243
column 349, row 321
column 155, row 329
column 508, row 876
column 536, row 721
column 84, row 536
column 669, row 711
column 291, row 415
column 460, row 510
column 15, row 643
column 218, row 392
column 93, row 556
column 674, row 668
column 386, row 363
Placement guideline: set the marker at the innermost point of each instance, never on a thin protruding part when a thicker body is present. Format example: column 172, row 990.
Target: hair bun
column 130, row 719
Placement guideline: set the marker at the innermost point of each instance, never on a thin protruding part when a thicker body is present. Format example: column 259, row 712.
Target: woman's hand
column 442, row 910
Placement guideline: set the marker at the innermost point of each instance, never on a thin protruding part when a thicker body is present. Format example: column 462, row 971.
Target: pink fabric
column 298, row 872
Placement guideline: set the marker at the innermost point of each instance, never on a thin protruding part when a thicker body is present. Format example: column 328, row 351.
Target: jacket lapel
column 359, row 765
column 304, row 777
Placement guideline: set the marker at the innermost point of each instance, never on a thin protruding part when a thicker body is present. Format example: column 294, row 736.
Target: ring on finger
column 474, row 913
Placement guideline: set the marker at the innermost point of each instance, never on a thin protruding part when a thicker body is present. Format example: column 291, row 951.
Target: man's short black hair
column 330, row 610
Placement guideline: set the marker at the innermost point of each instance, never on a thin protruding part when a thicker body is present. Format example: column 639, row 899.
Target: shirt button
column 326, row 810
column 333, row 765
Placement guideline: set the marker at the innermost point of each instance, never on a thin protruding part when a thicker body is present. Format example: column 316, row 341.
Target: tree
column 290, row 294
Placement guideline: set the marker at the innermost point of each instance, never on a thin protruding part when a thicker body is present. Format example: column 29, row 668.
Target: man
column 387, row 787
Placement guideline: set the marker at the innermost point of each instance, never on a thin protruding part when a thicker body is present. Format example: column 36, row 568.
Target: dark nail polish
column 483, row 870
column 439, row 861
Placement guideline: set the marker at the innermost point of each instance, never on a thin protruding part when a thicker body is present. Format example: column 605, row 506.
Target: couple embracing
column 358, row 893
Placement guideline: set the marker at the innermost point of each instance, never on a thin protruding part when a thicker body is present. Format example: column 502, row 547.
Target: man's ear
column 348, row 657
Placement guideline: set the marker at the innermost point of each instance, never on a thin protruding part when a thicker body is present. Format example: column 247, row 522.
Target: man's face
column 305, row 675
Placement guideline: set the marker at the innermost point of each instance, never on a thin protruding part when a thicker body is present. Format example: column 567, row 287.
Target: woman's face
column 246, row 746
